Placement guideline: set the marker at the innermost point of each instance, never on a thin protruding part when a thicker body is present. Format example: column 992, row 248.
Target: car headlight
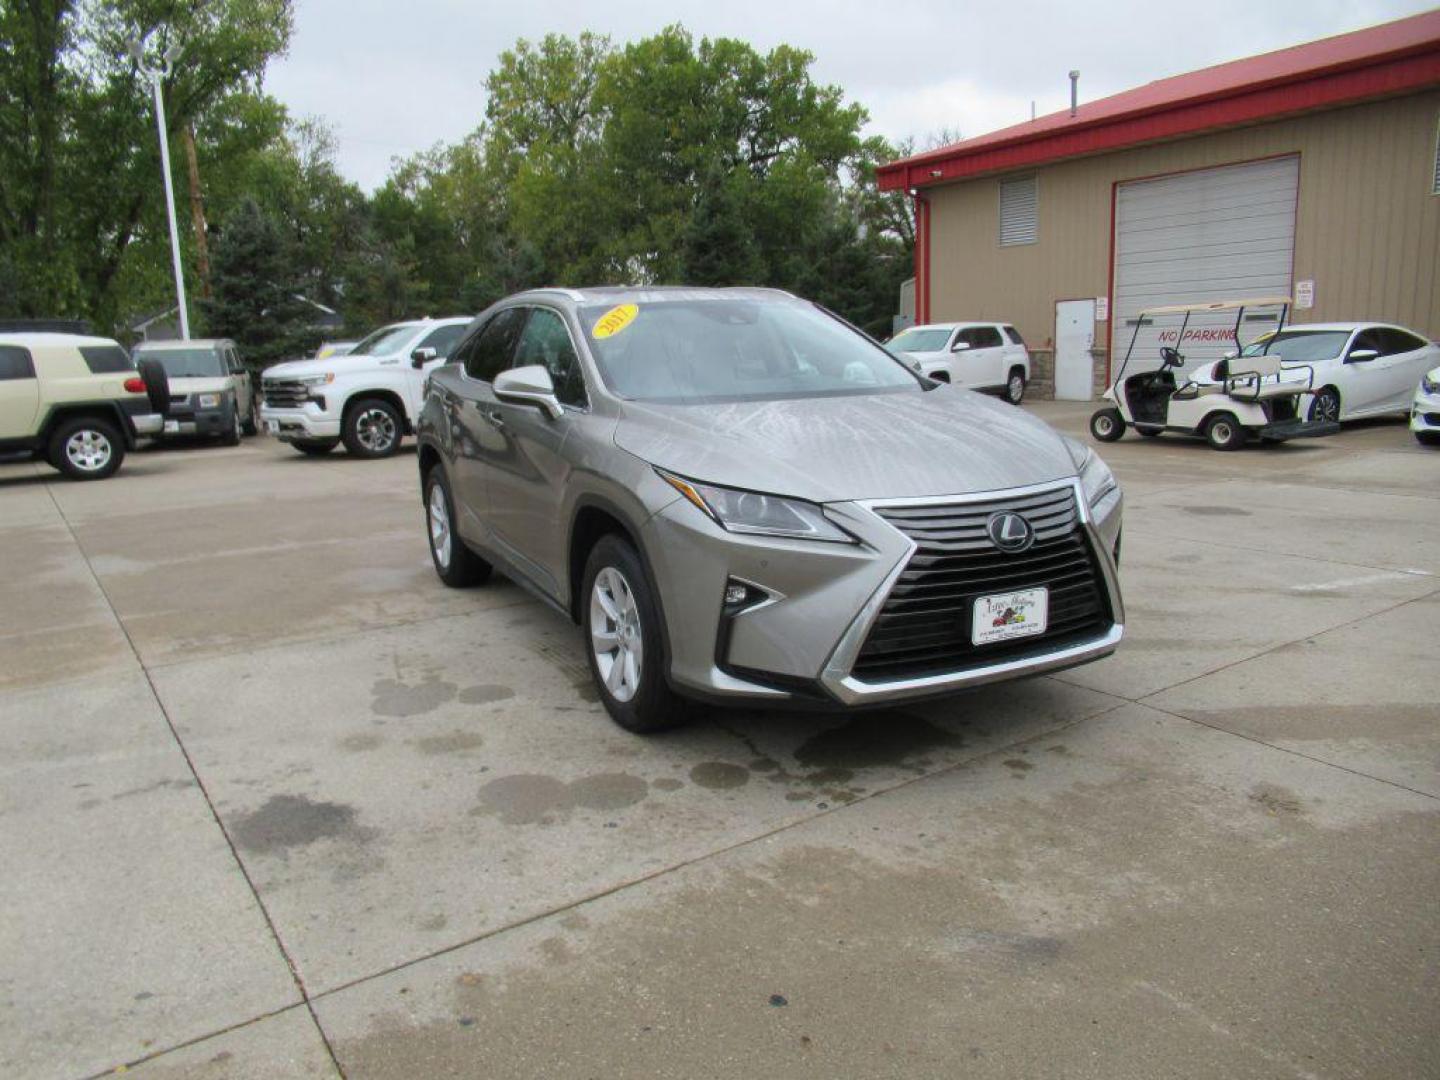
column 1096, row 479
column 209, row 401
column 757, row 514
column 317, row 380
column 1429, row 385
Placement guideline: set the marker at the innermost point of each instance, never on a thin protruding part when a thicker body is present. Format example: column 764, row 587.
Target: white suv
column 368, row 398
column 986, row 356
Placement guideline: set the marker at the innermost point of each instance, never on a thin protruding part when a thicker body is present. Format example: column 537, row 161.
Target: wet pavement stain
column 1276, row 800
column 531, row 799
column 667, row 783
column 484, row 695
column 872, row 739
column 290, row 821
column 1214, row 511
column 719, row 775
column 434, row 923
column 359, row 743
column 1019, row 765
column 456, row 742
column 396, row 698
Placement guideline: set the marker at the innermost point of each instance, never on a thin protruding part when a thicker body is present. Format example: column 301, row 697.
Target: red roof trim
column 1329, row 85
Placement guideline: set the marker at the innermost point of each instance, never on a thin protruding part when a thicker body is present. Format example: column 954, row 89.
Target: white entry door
column 1074, row 337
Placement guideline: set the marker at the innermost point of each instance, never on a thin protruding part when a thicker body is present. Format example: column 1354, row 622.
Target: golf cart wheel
column 1015, row 386
column 1326, row 405
column 1224, row 432
column 1149, row 432
column 1107, row 425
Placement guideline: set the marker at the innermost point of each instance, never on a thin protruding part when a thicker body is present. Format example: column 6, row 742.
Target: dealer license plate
column 272, row 427
column 1009, row 615
column 172, row 426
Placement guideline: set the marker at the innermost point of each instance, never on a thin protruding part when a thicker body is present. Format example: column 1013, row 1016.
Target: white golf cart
column 1254, row 394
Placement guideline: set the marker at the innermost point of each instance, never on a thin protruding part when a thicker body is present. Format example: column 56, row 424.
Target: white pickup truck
column 367, row 399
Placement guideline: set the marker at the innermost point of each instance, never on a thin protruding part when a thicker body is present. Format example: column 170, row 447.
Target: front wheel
column 87, row 448
column 1015, row 386
column 1224, row 432
column 252, row 425
column 1107, row 425
column 1427, row 438
column 456, row 565
column 315, row 447
column 1326, row 405
column 232, row 435
column 625, row 646
column 372, row 429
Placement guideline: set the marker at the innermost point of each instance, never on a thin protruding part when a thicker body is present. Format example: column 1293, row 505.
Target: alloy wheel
column 88, row 450
column 1016, row 388
column 439, row 525
column 1326, row 407
column 616, row 636
column 375, row 430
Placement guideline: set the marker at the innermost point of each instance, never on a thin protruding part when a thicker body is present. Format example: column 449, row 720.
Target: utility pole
column 156, row 77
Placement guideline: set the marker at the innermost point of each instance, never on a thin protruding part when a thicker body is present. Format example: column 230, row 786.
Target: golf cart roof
column 1219, row 305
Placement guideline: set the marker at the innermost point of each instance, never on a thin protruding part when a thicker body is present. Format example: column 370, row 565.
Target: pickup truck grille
column 924, row 627
column 284, row 394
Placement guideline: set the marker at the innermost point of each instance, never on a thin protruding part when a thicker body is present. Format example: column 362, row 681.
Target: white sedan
column 1425, row 409
column 1361, row 369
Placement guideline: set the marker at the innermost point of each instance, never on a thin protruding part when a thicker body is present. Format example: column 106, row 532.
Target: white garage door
column 1193, row 238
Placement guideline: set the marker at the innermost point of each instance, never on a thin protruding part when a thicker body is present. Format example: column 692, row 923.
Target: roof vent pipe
column 1074, row 92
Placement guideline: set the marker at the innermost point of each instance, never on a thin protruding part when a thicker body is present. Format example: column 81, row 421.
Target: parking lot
column 275, row 802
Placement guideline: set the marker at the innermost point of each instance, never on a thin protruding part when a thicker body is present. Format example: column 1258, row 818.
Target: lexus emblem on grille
column 1010, row 532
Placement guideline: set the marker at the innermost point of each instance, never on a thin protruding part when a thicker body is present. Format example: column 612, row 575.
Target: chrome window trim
column 835, row 677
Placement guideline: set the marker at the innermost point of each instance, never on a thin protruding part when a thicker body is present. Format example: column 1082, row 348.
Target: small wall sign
column 1102, row 309
column 1304, row 295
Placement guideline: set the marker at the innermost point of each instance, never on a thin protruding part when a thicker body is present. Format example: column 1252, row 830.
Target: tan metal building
column 1313, row 171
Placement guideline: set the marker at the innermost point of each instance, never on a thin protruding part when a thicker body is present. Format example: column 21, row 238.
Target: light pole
column 156, row 77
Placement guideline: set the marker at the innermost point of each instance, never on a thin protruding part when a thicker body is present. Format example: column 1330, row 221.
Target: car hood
column 294, row 369
column 946, row 441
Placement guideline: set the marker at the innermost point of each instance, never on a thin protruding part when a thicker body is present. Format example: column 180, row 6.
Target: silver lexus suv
column 742, row 499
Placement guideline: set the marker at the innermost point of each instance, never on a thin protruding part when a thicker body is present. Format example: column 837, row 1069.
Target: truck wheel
column 1107, row 425
column 1015, row 386
column 456, row 564
column 372, row 428
column 232, row 434
column 315, row 447
column 1223, row 432
column 86, row 448
column 624, row 641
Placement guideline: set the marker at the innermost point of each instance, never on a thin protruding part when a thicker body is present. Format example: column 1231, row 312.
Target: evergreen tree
column 719, row 244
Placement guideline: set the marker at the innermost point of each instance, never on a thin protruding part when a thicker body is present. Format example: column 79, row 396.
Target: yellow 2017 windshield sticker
column 615, row 320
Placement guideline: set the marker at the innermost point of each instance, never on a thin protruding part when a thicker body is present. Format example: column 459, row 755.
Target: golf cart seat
column 1245, row 379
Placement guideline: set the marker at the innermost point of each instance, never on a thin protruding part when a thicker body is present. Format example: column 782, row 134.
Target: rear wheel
column 1015, row 386
column 87, row 448
column 315, row 447
column 372, row 428
column 624, row 641
column 455, row 563
column 1224, row 432
column 1326, row 405
column 1107, row 425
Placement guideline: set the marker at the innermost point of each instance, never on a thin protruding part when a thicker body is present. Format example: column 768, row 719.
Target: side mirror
column 960, row 346
column 1361, row 355
column 530, row 385
column 420, row 357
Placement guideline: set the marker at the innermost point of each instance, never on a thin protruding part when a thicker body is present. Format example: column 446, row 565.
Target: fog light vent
column 737, row 593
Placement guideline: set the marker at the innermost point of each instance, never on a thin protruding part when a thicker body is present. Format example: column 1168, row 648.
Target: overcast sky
column 393, row 78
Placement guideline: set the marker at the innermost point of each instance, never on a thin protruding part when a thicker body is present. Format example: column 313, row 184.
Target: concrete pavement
column 276, row 803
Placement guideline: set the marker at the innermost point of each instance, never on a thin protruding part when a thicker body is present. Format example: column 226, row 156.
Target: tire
column 1427, row 438
column 455, row 564
column 86, row 448
column 1223, row 432
column 157, row 384
column 232, row 436
column 1107, row 425
column 641, row 700
column 1326, row 405
column 1015, row 386
column 315, row 447
column 252, row 426
column 1149, row 432
column 372, row 428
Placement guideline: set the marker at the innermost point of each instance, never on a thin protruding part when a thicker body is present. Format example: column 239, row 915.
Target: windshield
column 914, row 340
column 730, row 349
column 186, row 363
column 387, row 341
column 1300, row 346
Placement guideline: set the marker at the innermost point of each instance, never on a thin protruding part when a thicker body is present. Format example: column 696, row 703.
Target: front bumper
column 1425, row 413
column 800, row 644
column 204, row 422
column 306, row 422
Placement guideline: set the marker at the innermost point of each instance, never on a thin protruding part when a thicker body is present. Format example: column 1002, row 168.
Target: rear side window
column 1399, row 341
column 547, row 342
column 106, row 359
column 980, row 337
column 1014, row 335
column 443, row 340
column 15, row 363
column 489, row 353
